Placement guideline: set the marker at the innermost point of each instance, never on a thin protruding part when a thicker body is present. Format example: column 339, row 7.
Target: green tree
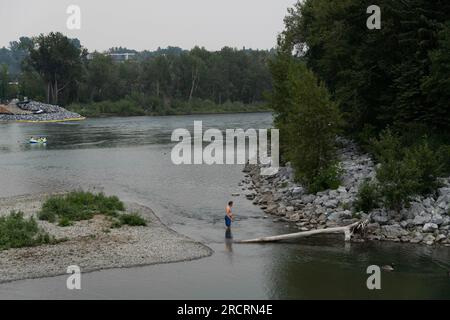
column 57, row 60
column 436, row 85
column 101, row 75
column 157, row 81
column 31, row 85
column 373, row 85
column 308, row 121
column 4, row 79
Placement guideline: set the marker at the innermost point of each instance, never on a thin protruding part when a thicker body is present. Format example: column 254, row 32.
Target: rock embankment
column 46, row 113
column 426, row 221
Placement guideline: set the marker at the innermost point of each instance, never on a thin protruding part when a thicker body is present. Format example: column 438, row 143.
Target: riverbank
column 425, row 221
column 130, row 107
column 93, row 246
column 34, row 111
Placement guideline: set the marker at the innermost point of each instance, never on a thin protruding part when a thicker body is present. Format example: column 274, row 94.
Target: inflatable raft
column 38, row 140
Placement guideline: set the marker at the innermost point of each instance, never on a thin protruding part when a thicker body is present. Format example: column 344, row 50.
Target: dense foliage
column 166, row 81
column 308, row 122
column 56, row 59
column 408, row 167
column 79, row 205
column 397, row 77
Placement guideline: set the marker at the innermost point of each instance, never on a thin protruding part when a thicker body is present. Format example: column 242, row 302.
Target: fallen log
column 347, row 230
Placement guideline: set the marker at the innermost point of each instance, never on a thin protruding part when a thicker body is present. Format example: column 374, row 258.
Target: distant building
column 116, row 57
column 120, row 57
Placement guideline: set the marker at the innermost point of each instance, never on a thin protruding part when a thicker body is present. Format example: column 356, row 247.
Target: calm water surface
column 130, row 157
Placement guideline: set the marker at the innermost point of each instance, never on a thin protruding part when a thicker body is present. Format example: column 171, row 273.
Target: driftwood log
column 357, row 227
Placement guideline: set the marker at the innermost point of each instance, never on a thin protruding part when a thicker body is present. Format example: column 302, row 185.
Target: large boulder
column 272, row 208
column 429, row 239
column 380, row 216
column 440, row 237
column 417, row 209
column 339, row 215
column 267, row 197
column 429, row 227
column 393, row 231
column 437, row 219
column 417, row 237
column 421, row 220
column 445, row 221
column 309, row 198
column 443, row 202
column 331, row 204
column 297, row 191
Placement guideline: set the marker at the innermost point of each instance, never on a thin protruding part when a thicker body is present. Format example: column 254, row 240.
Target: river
column 130, row 157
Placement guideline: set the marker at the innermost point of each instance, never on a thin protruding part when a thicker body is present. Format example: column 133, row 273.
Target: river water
column 130, row 157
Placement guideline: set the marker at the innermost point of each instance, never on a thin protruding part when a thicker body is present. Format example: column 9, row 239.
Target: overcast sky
column 149, row 24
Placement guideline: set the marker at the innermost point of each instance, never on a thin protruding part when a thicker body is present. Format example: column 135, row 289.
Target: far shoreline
column 105, row 116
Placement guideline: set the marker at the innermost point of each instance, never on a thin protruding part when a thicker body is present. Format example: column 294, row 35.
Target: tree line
column 59, row 70
column 396, row 75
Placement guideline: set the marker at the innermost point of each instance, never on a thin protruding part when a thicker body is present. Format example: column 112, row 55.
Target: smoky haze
column 140, row 24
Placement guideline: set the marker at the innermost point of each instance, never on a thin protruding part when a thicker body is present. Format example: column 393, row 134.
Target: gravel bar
column 50, row 113
column 91, row 247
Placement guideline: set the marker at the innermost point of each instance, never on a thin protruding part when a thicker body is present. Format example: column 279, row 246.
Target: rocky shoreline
column 92, row 246
column 426, row 221
column 50, row 113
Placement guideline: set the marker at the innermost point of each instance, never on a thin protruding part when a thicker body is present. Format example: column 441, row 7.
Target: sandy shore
column 91, row 248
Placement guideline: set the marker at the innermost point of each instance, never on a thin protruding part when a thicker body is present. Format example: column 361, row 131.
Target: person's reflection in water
column 228, row 240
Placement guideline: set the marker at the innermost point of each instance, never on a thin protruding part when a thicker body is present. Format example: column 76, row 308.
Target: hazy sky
column 148, row 24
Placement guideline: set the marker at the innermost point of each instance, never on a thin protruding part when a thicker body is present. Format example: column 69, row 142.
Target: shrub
column 398, row 182
column 18, row 232
column 65, row 222
column 116, row 224
column 79, row 205
column 387, row 147
column 132, row 219
column 428, row 165
column 328, row 178
column 443, row 157
column 365, row 136
column 368, row 197
column 407, row 170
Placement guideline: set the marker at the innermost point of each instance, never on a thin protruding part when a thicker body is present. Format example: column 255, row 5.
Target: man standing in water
column 229, row 216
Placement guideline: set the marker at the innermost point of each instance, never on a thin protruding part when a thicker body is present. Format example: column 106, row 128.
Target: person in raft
column 229, row 216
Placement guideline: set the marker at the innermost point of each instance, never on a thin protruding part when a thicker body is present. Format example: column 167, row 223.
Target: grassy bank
column 80, row 205
column 155, row 107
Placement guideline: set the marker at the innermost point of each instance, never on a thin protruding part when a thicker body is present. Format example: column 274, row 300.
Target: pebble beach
column 88, row 245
